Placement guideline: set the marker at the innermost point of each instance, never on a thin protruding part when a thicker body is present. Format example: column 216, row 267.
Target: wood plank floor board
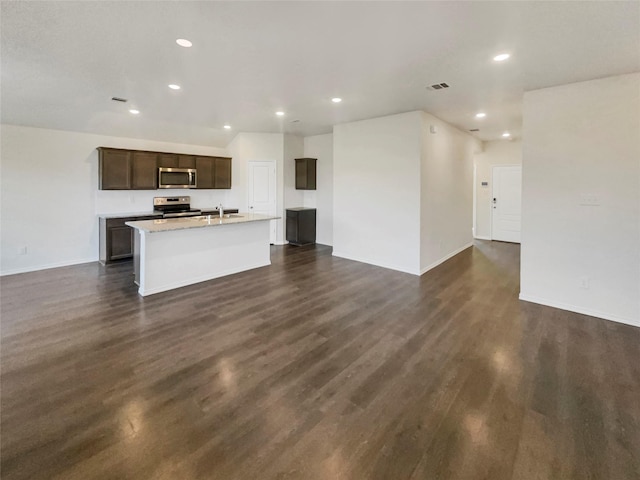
column 314, row 367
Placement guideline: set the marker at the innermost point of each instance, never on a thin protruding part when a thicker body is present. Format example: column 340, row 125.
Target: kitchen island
column 173, row 253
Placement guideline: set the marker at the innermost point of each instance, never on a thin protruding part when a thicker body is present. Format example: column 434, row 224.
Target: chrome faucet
column 221, row 210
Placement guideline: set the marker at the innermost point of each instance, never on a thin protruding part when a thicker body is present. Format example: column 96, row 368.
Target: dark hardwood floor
column 313, row 368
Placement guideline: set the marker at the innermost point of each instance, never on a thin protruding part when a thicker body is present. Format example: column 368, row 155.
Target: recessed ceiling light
column 227, row 127
column 481, row 115
column 506, row 134
column 501, row 58
column 184, row 42
column 173, row 86
column 336, row 100
column 280, row 113
column 134, row 111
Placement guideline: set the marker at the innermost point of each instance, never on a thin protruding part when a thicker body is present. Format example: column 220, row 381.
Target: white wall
column 446, row 203
column 50, row 196
column 376, row 191
column 293, row 148
column 583, row 139
column 246, row 147
column 497, row 152
column 321, row 147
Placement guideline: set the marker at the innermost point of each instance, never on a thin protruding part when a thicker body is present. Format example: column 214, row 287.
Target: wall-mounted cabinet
column 306, row 173
column 213, row 172
column 174, row 160
column 121, row 169
column 144, row 175
column 115, row 169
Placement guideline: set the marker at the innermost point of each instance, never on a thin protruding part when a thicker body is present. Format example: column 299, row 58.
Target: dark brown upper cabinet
column 213, row 172
column 114, row 169
column 222, row 173
column 306, row 173
column 205, row 168
column 176, row 160
column 144, row 171
column 138, row 170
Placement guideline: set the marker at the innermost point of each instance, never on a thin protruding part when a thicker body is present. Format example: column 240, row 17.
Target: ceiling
column 63, row 61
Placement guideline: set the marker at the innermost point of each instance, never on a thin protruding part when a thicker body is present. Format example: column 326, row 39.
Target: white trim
column 35, row 268
column 474, row 221
column 584, row 311
column 284, row 242
column 482, row 238
column 376, row 264
column 445, row 258
column 183, row 283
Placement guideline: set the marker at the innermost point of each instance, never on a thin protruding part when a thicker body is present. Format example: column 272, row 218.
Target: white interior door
column 262, row 191
column 506, row 203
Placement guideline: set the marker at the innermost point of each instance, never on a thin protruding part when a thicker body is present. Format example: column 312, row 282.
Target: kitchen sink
column 207, row 218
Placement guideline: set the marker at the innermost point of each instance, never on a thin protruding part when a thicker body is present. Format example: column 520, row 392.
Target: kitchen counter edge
column 203, row 221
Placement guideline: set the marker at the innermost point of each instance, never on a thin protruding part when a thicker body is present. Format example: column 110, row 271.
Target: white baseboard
column 377, row 264
column 445, row 258
column 478, row 237
column 581, row 310
column 47, row 266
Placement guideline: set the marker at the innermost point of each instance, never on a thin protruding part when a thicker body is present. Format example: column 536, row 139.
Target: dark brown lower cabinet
column 301, row 226
column 116, row 238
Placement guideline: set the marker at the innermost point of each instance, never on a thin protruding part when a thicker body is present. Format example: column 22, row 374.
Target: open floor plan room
column 314, row 367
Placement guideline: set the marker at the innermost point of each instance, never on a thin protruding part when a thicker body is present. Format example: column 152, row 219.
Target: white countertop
column 170, row 224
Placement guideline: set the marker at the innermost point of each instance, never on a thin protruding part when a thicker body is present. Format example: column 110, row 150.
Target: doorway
column 262, row 191
column 506, row 203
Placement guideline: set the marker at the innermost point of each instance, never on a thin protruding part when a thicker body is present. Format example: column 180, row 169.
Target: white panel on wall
column 376, row 175
column 581, row 198
column 446, row 203
column 321, row 147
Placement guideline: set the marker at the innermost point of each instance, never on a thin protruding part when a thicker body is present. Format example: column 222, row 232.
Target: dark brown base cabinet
column 121, row 169
column 116, row 238
column 301, row 226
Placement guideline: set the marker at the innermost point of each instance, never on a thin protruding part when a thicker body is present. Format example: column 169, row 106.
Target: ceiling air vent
column 118, row 99
column 474, row 130
column 438, row 86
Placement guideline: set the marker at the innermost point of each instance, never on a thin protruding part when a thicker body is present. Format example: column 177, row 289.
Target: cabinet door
column 145, row 171
column 186, row 161
column 168, row 160
column 292, row 227
column 222, row 173
column 205, row 172
column 305, row 173
column 115, row 169
column 121, row 242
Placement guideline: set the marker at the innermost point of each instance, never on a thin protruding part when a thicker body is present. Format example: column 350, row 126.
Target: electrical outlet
column 584, row 282
column 22, row 250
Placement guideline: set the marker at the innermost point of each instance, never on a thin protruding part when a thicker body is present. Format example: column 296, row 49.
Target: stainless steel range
column 173, row 207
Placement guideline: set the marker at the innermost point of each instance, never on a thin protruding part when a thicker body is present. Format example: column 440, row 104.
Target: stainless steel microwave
column 176, row 178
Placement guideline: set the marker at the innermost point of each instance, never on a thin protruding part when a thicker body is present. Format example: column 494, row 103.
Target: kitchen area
column 176, row 244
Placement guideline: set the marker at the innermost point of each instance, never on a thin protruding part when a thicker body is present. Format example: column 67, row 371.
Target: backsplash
column 133, row 201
